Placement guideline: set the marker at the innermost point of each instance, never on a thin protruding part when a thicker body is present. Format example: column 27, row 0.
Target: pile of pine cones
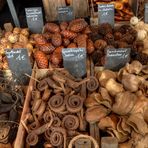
column 56, row 37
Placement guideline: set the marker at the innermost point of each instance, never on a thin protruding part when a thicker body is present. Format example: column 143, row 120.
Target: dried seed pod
column 90, row 46
column 63, row 25
column 121, row 44
column 109, row 38
column 18, row 45
column 41, row 59
column 113, row 87
column 23, row 39
column 13, row 38
column 72, row 45
column 82, row 40
column 56, row 40
column 52, row 27
column 39, row 39
column 68, row 34
column 78, row 26
column 66, row 42
column 3, row 40
column 96, row 113
column 47, row 48
column 25, row 32
column 105, row 28
column 16, row 30
column 87, row 30
column 117, row 36
column 100, row 44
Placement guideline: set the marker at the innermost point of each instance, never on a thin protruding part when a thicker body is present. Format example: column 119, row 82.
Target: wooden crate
column 80, row 8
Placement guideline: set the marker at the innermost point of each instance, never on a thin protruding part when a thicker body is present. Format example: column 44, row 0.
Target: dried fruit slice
column 41, row 59
column 56, row 40
column 52, row 27
column 68, row 34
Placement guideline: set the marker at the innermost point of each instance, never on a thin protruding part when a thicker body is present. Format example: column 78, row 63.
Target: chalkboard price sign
column 146, row 13
column 106, row 13
column 74, row 60
column 65, row 13
column 19, row 64
column 34, row 18
column 117, row 58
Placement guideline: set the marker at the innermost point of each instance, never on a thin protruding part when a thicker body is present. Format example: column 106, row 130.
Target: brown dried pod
column 16, row 30
column 105, row 75
column 90, row 46
column 92, row 84
column 13, row 38
column 105, row 28
column 47, row 36
column 121, row 44
column 56, row 103
column 100, row 44
column 56, row 59
column 68, row 34
column 41, row 59
column 81, row 40
column 96, row 113
column 78, row 26
column 56, row 39
column 52, row 27
column 124, row 103
column 109, row 37
column 25, row 32
column 6, row 35
column 63, row 25
column 113, row 87
column 131, row 82
column 87, row 30
column 117, row 35
column 74, row 103
column 46, row 94
column 32, row 139
column 66, row 42
column 134, row 68
column 47, row 48
column 40, row 39
column 72, row 45
column 18, row 45
column 23, row 39
column 137, row 122
column 36, row 105
column 3, row 40
column 70, row 122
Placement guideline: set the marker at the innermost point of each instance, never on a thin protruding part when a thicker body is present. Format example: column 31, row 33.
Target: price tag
column 117, row 58
column 146, row 13
column 19, row 64
column 74, row 60
column 65, row 13
column 106, row 13
column 34, row 18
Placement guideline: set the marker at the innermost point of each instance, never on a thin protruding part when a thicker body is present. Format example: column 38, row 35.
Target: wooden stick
column 32, row 77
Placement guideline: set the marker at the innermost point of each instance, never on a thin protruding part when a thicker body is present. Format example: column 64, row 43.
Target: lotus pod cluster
column 120, row 106
column 65, row 35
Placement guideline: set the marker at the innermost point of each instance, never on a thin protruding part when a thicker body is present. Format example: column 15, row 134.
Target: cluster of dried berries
column 108, row 37
column 56, row 37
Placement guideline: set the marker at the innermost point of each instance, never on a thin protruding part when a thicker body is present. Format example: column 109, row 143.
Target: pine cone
column 69, row 34
column 72, row 45
column 100, row 44
column 56, row 40
column 41, row 59
column 82, row 40
column 52, row 27
column 39, row 39
column 63, row 25
column 66, row 42
column 90, row 46
column 47, row 48
column 105, row 28
column 78, row 26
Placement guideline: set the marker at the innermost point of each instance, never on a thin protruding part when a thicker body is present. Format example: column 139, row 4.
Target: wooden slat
column 83, row 143
column 109, row 142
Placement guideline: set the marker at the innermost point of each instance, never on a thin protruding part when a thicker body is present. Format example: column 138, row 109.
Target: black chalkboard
column 106, row 13
column 19, row 64
column 146, row 13
column 65, row 13
column 74, row 60
column 117, row 58
column 34, row 18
